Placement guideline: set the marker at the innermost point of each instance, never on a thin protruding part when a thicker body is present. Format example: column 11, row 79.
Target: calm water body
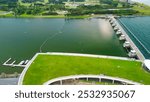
column 138, row 29
column 20, row 39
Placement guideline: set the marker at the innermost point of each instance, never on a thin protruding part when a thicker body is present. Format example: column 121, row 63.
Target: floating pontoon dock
column 21, row 64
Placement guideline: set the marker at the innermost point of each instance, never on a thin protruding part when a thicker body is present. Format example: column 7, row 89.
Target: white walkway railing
column 93, row 77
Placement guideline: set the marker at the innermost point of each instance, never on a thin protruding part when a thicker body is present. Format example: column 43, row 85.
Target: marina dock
column 13, row 64
column 127, row 38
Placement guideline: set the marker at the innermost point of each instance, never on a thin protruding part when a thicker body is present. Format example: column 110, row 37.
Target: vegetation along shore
column 69, row 9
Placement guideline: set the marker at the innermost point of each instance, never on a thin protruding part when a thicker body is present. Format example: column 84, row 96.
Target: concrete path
column 9, row 81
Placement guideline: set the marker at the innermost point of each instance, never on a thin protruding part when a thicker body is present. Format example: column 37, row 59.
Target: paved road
column 9, row 81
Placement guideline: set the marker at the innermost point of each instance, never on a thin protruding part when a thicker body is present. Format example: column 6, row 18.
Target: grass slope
column 46, row 67
column 143, row 9
column 48, row 16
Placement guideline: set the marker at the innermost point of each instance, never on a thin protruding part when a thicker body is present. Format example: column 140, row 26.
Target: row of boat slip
column 13, row 64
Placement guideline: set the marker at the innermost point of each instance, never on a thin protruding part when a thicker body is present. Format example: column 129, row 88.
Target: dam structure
column 134, row 51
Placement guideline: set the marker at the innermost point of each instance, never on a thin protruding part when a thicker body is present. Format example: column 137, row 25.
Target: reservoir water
column 138, row 29
column 21, row 38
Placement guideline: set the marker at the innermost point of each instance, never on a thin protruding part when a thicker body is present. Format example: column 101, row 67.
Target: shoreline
column 68, row 17
column 47, row 16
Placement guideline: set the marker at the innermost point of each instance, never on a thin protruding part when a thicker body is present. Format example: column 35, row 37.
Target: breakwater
column 134, row 52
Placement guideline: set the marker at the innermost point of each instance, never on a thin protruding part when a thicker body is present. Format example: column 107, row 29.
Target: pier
column 127, row 38
column 12, row 64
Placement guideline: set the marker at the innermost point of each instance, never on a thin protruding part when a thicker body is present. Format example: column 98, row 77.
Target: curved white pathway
column 93, row 77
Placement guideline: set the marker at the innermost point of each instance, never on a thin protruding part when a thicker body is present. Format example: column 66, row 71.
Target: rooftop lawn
column 46, row 67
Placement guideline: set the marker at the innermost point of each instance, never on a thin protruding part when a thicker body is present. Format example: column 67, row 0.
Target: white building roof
column 147, row 63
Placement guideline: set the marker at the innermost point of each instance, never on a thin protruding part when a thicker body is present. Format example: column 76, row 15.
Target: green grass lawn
column 24, row 4
column 46, row 1
column 40, row 16
column 143, row 9
column 46, row 67
column 47, row 16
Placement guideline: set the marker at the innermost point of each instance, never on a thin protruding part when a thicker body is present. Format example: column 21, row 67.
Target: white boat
column 21, row 63
column 26, row 62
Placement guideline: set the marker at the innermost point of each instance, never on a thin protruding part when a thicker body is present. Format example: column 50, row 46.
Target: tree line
column 50, row 9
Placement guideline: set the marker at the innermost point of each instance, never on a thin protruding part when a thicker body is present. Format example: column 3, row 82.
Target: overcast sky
column 143, row 1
